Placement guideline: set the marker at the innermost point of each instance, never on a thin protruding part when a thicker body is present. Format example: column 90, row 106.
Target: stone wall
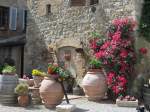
column 67, row 22
column 14, row 3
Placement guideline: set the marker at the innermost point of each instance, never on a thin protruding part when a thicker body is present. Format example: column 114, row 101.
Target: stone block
column 122, row 103
column 65, row 108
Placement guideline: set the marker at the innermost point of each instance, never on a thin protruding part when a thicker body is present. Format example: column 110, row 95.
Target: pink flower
column 124, row 53
column 106, row 45
column 110, row 77
column 100, row 54
column 117, row 36
column 93, row 43
column 143, row 50
column 116, row 89
column 124, row 66
column 122, row 79
column 111, row 74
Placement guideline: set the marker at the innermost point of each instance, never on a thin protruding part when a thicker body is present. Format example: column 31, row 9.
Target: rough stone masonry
column 66, row 22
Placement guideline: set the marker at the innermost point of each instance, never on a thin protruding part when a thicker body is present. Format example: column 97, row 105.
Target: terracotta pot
column 35, row 95
column 37, row 81
column 49, row 70
column 51, row 92
column 7, row 86
column 23, row 100
column 94, row 85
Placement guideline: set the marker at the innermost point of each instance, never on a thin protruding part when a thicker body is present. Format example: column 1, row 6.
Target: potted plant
column 27, row 78
column 8, row 81
column 51, row 90
column 94, row 64
column 22, row 91
column 127, row 101
column 9, row 70
column 38, row 76
column 94, row 82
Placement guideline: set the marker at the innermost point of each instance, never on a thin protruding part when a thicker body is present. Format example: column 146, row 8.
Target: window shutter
column 21, row 18
column 13, row 18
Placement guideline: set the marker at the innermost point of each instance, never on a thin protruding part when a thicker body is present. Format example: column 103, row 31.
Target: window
column 92, row 2
column 48, row 8
column 4, row 18
column 77, row 3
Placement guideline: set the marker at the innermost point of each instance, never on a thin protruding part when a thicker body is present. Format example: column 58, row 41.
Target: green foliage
column 97, row 35
column 144, row 25
column 59, row 73
column 95, row 64
column 9, row 69
column 21, row 89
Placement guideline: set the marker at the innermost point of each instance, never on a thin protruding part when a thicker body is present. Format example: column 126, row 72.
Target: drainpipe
column 22, row 61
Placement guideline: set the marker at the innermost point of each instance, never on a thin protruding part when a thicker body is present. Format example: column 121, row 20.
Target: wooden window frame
column 4, row 18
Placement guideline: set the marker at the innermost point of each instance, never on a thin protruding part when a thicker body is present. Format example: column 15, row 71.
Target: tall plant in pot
column 94, row 82
column 51, row 90
column 118, row 56
column 22, row 91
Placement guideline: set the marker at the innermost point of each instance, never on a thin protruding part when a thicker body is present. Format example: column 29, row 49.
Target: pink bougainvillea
column 117, row 54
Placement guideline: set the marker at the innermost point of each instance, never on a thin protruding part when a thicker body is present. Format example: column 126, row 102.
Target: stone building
column 12, row 32
column 66, row 25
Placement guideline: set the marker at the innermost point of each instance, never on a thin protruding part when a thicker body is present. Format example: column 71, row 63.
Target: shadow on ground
column 81, row 110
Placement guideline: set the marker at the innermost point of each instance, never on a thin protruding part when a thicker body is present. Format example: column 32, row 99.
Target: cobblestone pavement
column 82, row 104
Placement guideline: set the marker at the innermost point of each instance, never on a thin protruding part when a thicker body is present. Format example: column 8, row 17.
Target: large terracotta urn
column 51, row 92
column 94, row 85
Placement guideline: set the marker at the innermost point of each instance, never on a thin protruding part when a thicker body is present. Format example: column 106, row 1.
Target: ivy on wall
column 144, row 26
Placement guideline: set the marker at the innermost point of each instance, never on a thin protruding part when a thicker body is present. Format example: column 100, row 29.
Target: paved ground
column 82, row 104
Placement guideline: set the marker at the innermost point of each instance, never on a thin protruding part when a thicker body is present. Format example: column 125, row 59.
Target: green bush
column 95, row 64
column 8, row 69
column 21, row 89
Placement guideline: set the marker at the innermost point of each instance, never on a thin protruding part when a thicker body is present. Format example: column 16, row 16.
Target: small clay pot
column 23, row 100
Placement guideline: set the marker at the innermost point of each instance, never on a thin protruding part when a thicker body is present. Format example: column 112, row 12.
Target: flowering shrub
column 117, row 54
column 36, row 72
column 57, row 72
